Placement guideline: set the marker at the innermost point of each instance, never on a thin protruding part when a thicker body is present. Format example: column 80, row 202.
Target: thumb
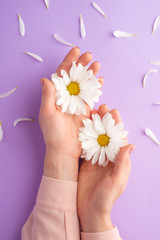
column 48, row 98
column 123, row 165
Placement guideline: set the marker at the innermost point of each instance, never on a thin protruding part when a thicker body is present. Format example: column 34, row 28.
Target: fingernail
column 131, row 150
column 41, row 82
column 77, row 47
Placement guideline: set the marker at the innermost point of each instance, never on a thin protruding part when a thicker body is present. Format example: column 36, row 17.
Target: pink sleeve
column 54, row 217
column 108, row 235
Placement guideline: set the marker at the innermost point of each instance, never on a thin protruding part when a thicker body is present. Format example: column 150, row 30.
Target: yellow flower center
column 73, row 88
column 103, row 140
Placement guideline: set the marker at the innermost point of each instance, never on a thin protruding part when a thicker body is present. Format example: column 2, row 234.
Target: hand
column 99, row 187
column 60, row 130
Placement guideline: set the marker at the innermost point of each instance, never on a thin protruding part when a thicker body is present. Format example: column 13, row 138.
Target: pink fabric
column 54, row 217
column 109, row 235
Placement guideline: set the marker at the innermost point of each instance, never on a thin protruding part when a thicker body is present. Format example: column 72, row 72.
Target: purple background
column 124, row 62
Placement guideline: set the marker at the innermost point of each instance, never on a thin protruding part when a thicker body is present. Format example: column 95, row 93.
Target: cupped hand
column 99, row 187
column 60, row 130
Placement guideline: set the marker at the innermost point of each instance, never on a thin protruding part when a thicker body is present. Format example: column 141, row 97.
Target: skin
column 60, row 132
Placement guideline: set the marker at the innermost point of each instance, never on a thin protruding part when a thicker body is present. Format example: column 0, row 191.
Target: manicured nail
column 131, row 150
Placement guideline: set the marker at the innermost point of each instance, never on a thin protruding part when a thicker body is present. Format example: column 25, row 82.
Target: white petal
column 55, row 78
column 102, row 157
column 82, row 28
column 98, row 9
column 72, row 105
column 86, row 99
column 90, row 133
column 1, row 132
column 89, row 144
column 110, row 154
column 88, row 122
column 6, row 94
column 81, row 106
column 106, row 118
column 91, row 152
column 34, row 56
column 123, row 34
column 96, row 156
column 47, row 3
column 59, row 84
column 81, row 71
column 21, row 120
column 119, row 127
column 157, row 103
column 98, row 124
column 87, row 75
column 59, row 39
column 149, row 72
column 110, row 127
column 62, row 99
column 155, row 62
column 73, row 72
column 21, row 26
column 65, row 77
column 156, row 24
column 121, row 134
column 151, row 135
column 66, row 104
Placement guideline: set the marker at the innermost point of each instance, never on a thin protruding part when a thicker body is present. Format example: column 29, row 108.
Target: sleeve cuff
column 108, row 235
column 59, row 194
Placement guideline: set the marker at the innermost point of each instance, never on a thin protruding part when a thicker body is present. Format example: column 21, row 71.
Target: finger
column 101, row 80
column 73, row 55
column 95, row 67
column 122, row 166
column 94, row 111
column 85, row 59
column 103, row 109
column 48, row 98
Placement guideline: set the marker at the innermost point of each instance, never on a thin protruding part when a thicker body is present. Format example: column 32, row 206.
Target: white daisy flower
column 101, row 139
column 75, row 89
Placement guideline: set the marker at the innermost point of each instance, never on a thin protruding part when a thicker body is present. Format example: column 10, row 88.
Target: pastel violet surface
column 124, row 62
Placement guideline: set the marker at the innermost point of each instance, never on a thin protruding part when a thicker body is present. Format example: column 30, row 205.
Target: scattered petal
column 98, row 9
column 62, row 41
column 156, row 24
column 6, row 94
column 157, row 103
column 155, row 62
column 1, row 132
column 149, row 72
column 151, row 135
column 47, row 4
column 82, row 28
column 34, row 56
column 123, row 34
column 21, row 120
column 21, row 26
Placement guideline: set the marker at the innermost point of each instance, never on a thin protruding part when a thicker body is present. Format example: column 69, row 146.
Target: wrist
column 96, row 223
column 60, row 166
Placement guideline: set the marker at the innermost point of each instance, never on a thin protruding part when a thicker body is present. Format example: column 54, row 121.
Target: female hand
column 99, row 187
column 60, row 130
